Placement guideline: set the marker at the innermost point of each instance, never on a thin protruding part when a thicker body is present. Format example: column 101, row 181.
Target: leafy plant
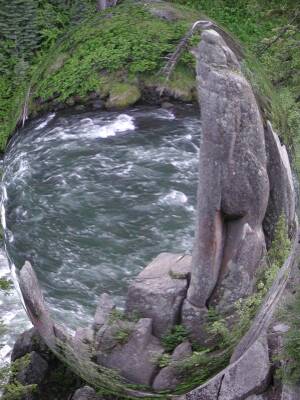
column 176, row 335
column 12, row 388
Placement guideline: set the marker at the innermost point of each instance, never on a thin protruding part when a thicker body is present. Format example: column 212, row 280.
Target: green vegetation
column 177, row 335
column 269, row 32
column 9, row 383
column 122, row 335
column 204, row 363
column 67, row 51
column 290, row 355
column 101, row 53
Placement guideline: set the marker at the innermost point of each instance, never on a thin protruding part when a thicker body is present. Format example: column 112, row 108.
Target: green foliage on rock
column 290, row 355
column 174, row 337
column 204, row 363
column 12, row 388
column 270, row 34
column 123, row 95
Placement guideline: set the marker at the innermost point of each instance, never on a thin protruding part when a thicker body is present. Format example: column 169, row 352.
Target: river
column 91, row 198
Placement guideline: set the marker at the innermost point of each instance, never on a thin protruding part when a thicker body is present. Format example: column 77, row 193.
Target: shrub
column 174, row 337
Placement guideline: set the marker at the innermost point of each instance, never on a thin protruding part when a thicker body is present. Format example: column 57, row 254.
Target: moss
column 122, row 95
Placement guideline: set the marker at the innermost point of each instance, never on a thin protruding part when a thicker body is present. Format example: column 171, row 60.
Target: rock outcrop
column 239, row 380
column 233, row 182
column 245, row 183
column 159, row 290
column 137, row 358
column 168, row 378
column 282, row 192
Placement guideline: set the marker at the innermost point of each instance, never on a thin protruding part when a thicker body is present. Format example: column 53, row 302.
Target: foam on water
column 90, row 213
column 46, row 122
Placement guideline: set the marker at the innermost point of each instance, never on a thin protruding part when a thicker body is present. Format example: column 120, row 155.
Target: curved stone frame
column 223, row 216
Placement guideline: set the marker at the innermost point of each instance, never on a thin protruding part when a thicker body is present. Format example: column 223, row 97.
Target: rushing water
column 92, row 198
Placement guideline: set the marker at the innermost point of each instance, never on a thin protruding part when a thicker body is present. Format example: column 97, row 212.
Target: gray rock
column 35, row 304
column 280, row 328
column 135, row 360
column 83, row 341
column 233, row 186
column 103, row 311
column 97, row 105
column 85, row 393
column 249, row 375
column 104, row 4
column 282, row 192
column 159, row 290
column 290, row 392
column 256, row 397
column 35, row 371
column 194, row 320
column 182, row 351
column 168, row 378
column 27, row 342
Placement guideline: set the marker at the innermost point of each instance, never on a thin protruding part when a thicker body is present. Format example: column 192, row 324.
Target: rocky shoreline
column 239, row 194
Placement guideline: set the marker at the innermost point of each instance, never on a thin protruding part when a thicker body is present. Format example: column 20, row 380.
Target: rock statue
column 233, row 187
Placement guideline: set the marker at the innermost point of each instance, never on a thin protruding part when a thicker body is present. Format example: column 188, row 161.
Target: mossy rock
column 122, row 95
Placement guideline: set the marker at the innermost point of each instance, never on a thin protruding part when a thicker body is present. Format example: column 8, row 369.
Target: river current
column 91, row 198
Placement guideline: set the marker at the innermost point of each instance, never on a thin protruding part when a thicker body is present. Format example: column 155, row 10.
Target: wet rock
column 104, row 309
column 136, row 360
column 27, row 342
column 86, row 393
column 233, row 182
column 35, row 371
column 159, row 290
column 282, row 192
column 168, row 378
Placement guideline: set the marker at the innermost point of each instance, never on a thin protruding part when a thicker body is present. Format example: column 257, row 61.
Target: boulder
column 103, row 311
column 122, row 95
column 135, row 360
column 83, row 341
column 159, row 290
column 290, row 392
column 243, row 378
column 35, row 371
column 233, row 188
column 85, row 393
column 249, row 375
column 168, row 378
column 27, row 342
column 282, row 192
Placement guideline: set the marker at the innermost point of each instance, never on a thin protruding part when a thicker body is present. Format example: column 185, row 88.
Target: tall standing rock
column 233, row 186
column 282, row 192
